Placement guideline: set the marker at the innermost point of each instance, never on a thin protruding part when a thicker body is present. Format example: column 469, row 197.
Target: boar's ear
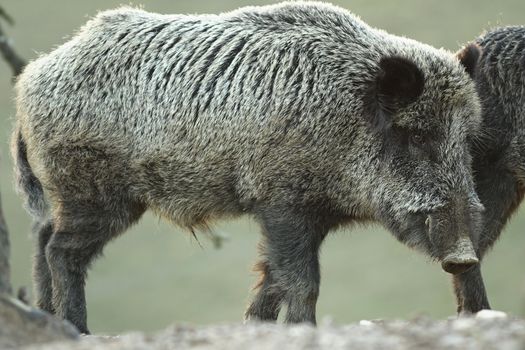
column 469, row 57
column 398, row 83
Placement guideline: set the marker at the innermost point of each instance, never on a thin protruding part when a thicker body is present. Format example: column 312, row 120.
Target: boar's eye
column 417, row 139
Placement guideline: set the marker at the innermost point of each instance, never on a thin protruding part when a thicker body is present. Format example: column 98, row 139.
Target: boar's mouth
column 440, row 234
column 452, row 240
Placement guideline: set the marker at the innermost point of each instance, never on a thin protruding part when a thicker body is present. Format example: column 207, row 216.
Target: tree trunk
column 19, row 323
column 5, row 273
column 16, row 63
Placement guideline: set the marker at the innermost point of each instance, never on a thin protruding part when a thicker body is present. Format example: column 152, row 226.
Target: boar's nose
column 460, row 265
column 461, row 258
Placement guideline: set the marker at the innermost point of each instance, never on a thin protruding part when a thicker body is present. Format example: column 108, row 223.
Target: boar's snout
column 461, row 257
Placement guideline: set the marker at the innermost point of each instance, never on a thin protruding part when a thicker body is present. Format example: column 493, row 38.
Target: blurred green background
column 155, row 275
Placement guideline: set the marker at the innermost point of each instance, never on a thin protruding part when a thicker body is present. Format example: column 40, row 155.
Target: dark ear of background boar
column 260, row 111
column 469, row 57
column 499, row 148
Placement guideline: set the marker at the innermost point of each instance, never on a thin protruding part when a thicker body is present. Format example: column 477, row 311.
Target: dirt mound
column 487, row 330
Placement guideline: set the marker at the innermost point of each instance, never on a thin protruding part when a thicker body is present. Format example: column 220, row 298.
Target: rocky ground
column 486, row 330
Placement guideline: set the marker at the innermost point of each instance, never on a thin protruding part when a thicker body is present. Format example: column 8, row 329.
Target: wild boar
column 298, row 114
column 499, row 149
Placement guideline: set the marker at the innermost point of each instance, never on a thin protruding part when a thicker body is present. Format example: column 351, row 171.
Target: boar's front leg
column 290, row 265
column 499, row 191
column 267, row 303
column 470, row 291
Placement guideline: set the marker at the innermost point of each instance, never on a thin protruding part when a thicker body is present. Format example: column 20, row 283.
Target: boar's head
column 423, row 114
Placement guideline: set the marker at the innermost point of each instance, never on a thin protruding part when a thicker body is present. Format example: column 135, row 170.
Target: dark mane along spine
column 503, row 57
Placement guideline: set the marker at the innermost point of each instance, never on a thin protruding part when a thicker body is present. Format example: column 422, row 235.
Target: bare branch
column 6, row 16
column 9, row 54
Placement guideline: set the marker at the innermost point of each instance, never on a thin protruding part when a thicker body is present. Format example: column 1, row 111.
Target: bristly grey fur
column 499, row 148
column 270, row 111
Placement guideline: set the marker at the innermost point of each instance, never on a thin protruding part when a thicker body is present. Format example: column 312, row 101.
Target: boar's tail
column 26, row 182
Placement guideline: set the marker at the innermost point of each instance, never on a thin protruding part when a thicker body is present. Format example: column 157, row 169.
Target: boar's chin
column 416, row 239
column 411, row 230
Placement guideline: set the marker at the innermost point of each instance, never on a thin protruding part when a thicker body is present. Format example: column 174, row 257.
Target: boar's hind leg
column 82, row 230
column 291, row 263
column 41, row 273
